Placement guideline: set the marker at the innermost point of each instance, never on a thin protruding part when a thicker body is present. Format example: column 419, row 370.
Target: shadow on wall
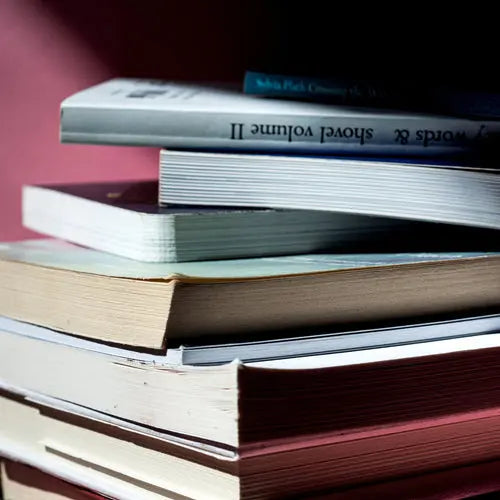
column 51, row 49
column 181, row 40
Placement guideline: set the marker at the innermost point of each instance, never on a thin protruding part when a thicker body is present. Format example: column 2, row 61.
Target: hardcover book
column 175, row 115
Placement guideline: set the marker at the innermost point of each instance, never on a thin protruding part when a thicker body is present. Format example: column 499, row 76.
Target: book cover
column 275, row 346
column 124, row 219
column 58, row 254
column 335, row 90
column 138, row 112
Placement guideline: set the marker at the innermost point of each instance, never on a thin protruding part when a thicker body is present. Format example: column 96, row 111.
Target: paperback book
column 375, row 93
column 125, row 219
column 104, row 297
column 183, row 116
column 22, row 482
column 348, row 415
column 435, row 192
column 201, row 352
column 41, row 479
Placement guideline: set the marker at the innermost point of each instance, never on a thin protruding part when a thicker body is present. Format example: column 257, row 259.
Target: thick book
column 347, row 416
column 105, row 297
column 237, row 403
column 124, row 219
column 41, row 479
column 176, row 115
column 24, row 482
column 438, row 192
column 375, row 93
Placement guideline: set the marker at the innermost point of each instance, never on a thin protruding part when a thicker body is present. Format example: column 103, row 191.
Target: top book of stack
column 181, row 116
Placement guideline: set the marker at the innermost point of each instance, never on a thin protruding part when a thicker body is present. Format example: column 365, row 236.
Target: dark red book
column 472, row 481
column 22, row 481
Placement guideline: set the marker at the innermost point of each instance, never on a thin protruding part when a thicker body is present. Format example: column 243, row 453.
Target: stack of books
column 305, row 303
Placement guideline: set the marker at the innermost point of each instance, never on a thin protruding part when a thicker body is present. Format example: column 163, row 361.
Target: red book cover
column 16, row 472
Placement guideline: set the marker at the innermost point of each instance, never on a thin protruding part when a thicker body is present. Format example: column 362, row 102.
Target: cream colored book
column 238, row 403
column 104, row 297
column 22, row 482
column 132, row 465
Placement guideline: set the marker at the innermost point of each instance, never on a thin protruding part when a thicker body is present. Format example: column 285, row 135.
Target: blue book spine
column 375, row 94
column 272, row 85
column 468, row 103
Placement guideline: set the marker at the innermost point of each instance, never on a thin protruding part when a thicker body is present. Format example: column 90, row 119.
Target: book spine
column 449, row 101
column 467, row 103
column 272, row 85
column 393, row 135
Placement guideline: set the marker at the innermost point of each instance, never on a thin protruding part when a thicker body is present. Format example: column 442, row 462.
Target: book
column 375, row 93
column 239, row 403
column 340, row 423
column 477, row 481
column 339, row 90
column 183, row 116
column 449, row 193
column 125, row 219
column 109, row 298
column 22, row 482
column 201, row 352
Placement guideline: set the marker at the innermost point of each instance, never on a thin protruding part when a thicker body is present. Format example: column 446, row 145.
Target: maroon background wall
column 50, row 49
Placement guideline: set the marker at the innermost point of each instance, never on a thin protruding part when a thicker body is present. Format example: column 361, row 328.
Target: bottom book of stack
column 23, row 482
column 352, row 422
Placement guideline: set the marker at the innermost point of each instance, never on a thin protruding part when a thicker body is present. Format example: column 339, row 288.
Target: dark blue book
column 374, row 93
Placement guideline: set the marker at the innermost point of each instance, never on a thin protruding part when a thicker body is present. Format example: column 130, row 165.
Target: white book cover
column 179, row 115
column 123, row 218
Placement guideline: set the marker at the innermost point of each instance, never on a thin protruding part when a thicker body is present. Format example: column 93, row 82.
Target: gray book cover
column 179, row 115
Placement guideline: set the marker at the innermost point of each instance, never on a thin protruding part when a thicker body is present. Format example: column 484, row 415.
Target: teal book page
column 61, row 255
